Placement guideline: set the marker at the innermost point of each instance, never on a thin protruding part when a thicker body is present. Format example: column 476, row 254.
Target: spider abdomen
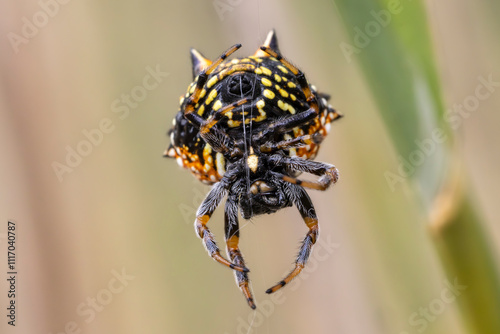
column 273, row 93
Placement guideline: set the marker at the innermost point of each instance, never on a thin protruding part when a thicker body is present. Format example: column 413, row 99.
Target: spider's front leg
column 328, row 173
column 205, row 211
column 232, row 231
column 202, row 79
column 300, row 141
column 306, row 209
column 286, row 124
column 301, row 78
column 217, row 138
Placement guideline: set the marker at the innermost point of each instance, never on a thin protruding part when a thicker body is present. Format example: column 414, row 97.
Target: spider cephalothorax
column 250, row 126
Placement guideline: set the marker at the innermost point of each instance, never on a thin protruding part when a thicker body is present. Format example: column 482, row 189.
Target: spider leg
column 217, row 138
column 217, row 116
column 231, row 228
column 328, row 173
column 202, row 79
column 286, row 124
column 306, row 209
column 203, row 215
column 301, row 78
column 315, row 138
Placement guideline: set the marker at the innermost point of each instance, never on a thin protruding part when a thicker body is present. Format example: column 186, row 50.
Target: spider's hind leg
column 306, row 209
column 328, row 173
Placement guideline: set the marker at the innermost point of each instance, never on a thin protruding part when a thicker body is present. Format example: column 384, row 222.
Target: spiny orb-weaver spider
column 250, row 126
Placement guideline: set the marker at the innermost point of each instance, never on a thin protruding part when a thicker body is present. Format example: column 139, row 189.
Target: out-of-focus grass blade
column 392, row 45
column 390, row 40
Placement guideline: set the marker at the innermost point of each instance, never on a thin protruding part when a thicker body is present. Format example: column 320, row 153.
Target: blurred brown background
column 125, row 209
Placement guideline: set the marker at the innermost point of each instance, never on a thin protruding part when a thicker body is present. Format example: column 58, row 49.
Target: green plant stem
column 467, row 256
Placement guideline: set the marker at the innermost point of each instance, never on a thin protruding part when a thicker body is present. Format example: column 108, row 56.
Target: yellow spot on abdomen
column 212, row 82
column 269, row 94
column 266, row 82
column 282, row 69
column 266, row 71
column 201, row 110
column 233, row 124
column 262, row 114
column 211, row 96
column 283, row 93
column 257, row 59
column 286, row 107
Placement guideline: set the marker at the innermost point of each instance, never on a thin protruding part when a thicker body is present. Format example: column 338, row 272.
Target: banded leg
column 217, row 138
column 217, row 116
column 328, row 173
column 231, row 228
column 301, row 78
column 300, row 141
column 286, row 124
column 203, row 215
column 306, row 209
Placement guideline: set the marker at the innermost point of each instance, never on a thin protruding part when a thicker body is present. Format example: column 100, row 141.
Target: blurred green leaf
column 391, row 42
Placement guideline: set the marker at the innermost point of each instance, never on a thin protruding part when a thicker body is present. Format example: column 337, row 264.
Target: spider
column 249, row 126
